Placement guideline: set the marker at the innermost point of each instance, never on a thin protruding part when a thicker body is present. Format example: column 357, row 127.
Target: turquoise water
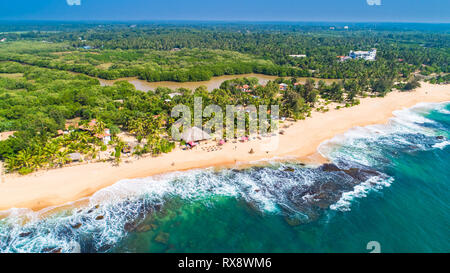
column 388, row 183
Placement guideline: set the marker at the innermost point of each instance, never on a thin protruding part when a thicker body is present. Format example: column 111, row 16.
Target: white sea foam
column 441, row 145
column 357, row 140
column 361, row 190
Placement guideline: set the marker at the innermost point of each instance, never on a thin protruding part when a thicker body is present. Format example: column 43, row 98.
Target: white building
column 171, row 95
column 366, row 55
column 298, row 56
column 105, row 136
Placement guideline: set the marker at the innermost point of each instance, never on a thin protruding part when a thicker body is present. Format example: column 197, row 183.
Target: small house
column 105, row 136
column 283, row 86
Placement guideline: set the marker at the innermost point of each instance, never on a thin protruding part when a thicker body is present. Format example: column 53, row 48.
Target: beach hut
column 74, row 157
column 194, row 134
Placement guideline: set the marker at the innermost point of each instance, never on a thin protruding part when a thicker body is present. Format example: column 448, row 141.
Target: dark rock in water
column 360, row 174
column 96, row 206
column 89, row 211
column 292, row 221
column 143, row 228
column 25, row 234
column 157, row 207
column 76, row 226
column 440, row 137
column 100, row 217
column 51, row 250
column 353, row 172
column 302, row 164
column 130, row 226
column 323, row 203
column 257, row 190
column 162, row 238
column 104, row 248
column 289, row 169
column 56, row 250
column 330, row 167
column 329, row 187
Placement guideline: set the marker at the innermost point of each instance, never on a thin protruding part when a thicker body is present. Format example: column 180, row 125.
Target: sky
column 435, row 11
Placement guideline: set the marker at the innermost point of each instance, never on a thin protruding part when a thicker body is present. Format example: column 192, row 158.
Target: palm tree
column 24, row 157
column 84, row 137
column 11, row 163
column 100, row 127
column 50, row 151
column 62, row 157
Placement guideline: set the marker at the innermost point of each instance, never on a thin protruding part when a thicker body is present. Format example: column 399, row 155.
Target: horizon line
column 218, row 21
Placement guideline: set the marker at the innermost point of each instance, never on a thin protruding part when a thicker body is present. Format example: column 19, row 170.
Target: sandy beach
column 56, row 187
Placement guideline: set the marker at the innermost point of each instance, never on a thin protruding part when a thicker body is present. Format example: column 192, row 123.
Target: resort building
column 366, row 55
column 244, row 88
column 298, row 56
column 105, row 136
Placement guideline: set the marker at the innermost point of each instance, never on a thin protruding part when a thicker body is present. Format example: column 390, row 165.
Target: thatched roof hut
column 193, row 134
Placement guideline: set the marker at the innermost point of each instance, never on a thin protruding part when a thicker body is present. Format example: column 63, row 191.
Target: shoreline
column 69, row 184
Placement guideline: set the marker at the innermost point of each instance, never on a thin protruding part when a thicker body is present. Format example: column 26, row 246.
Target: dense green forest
column 40, row 93
column 116, row 51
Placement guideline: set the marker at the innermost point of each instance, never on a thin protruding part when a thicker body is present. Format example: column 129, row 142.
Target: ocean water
column 387, row 183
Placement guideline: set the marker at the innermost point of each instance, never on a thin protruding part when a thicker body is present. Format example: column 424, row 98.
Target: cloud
column 78, row 2
column 374, row 2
